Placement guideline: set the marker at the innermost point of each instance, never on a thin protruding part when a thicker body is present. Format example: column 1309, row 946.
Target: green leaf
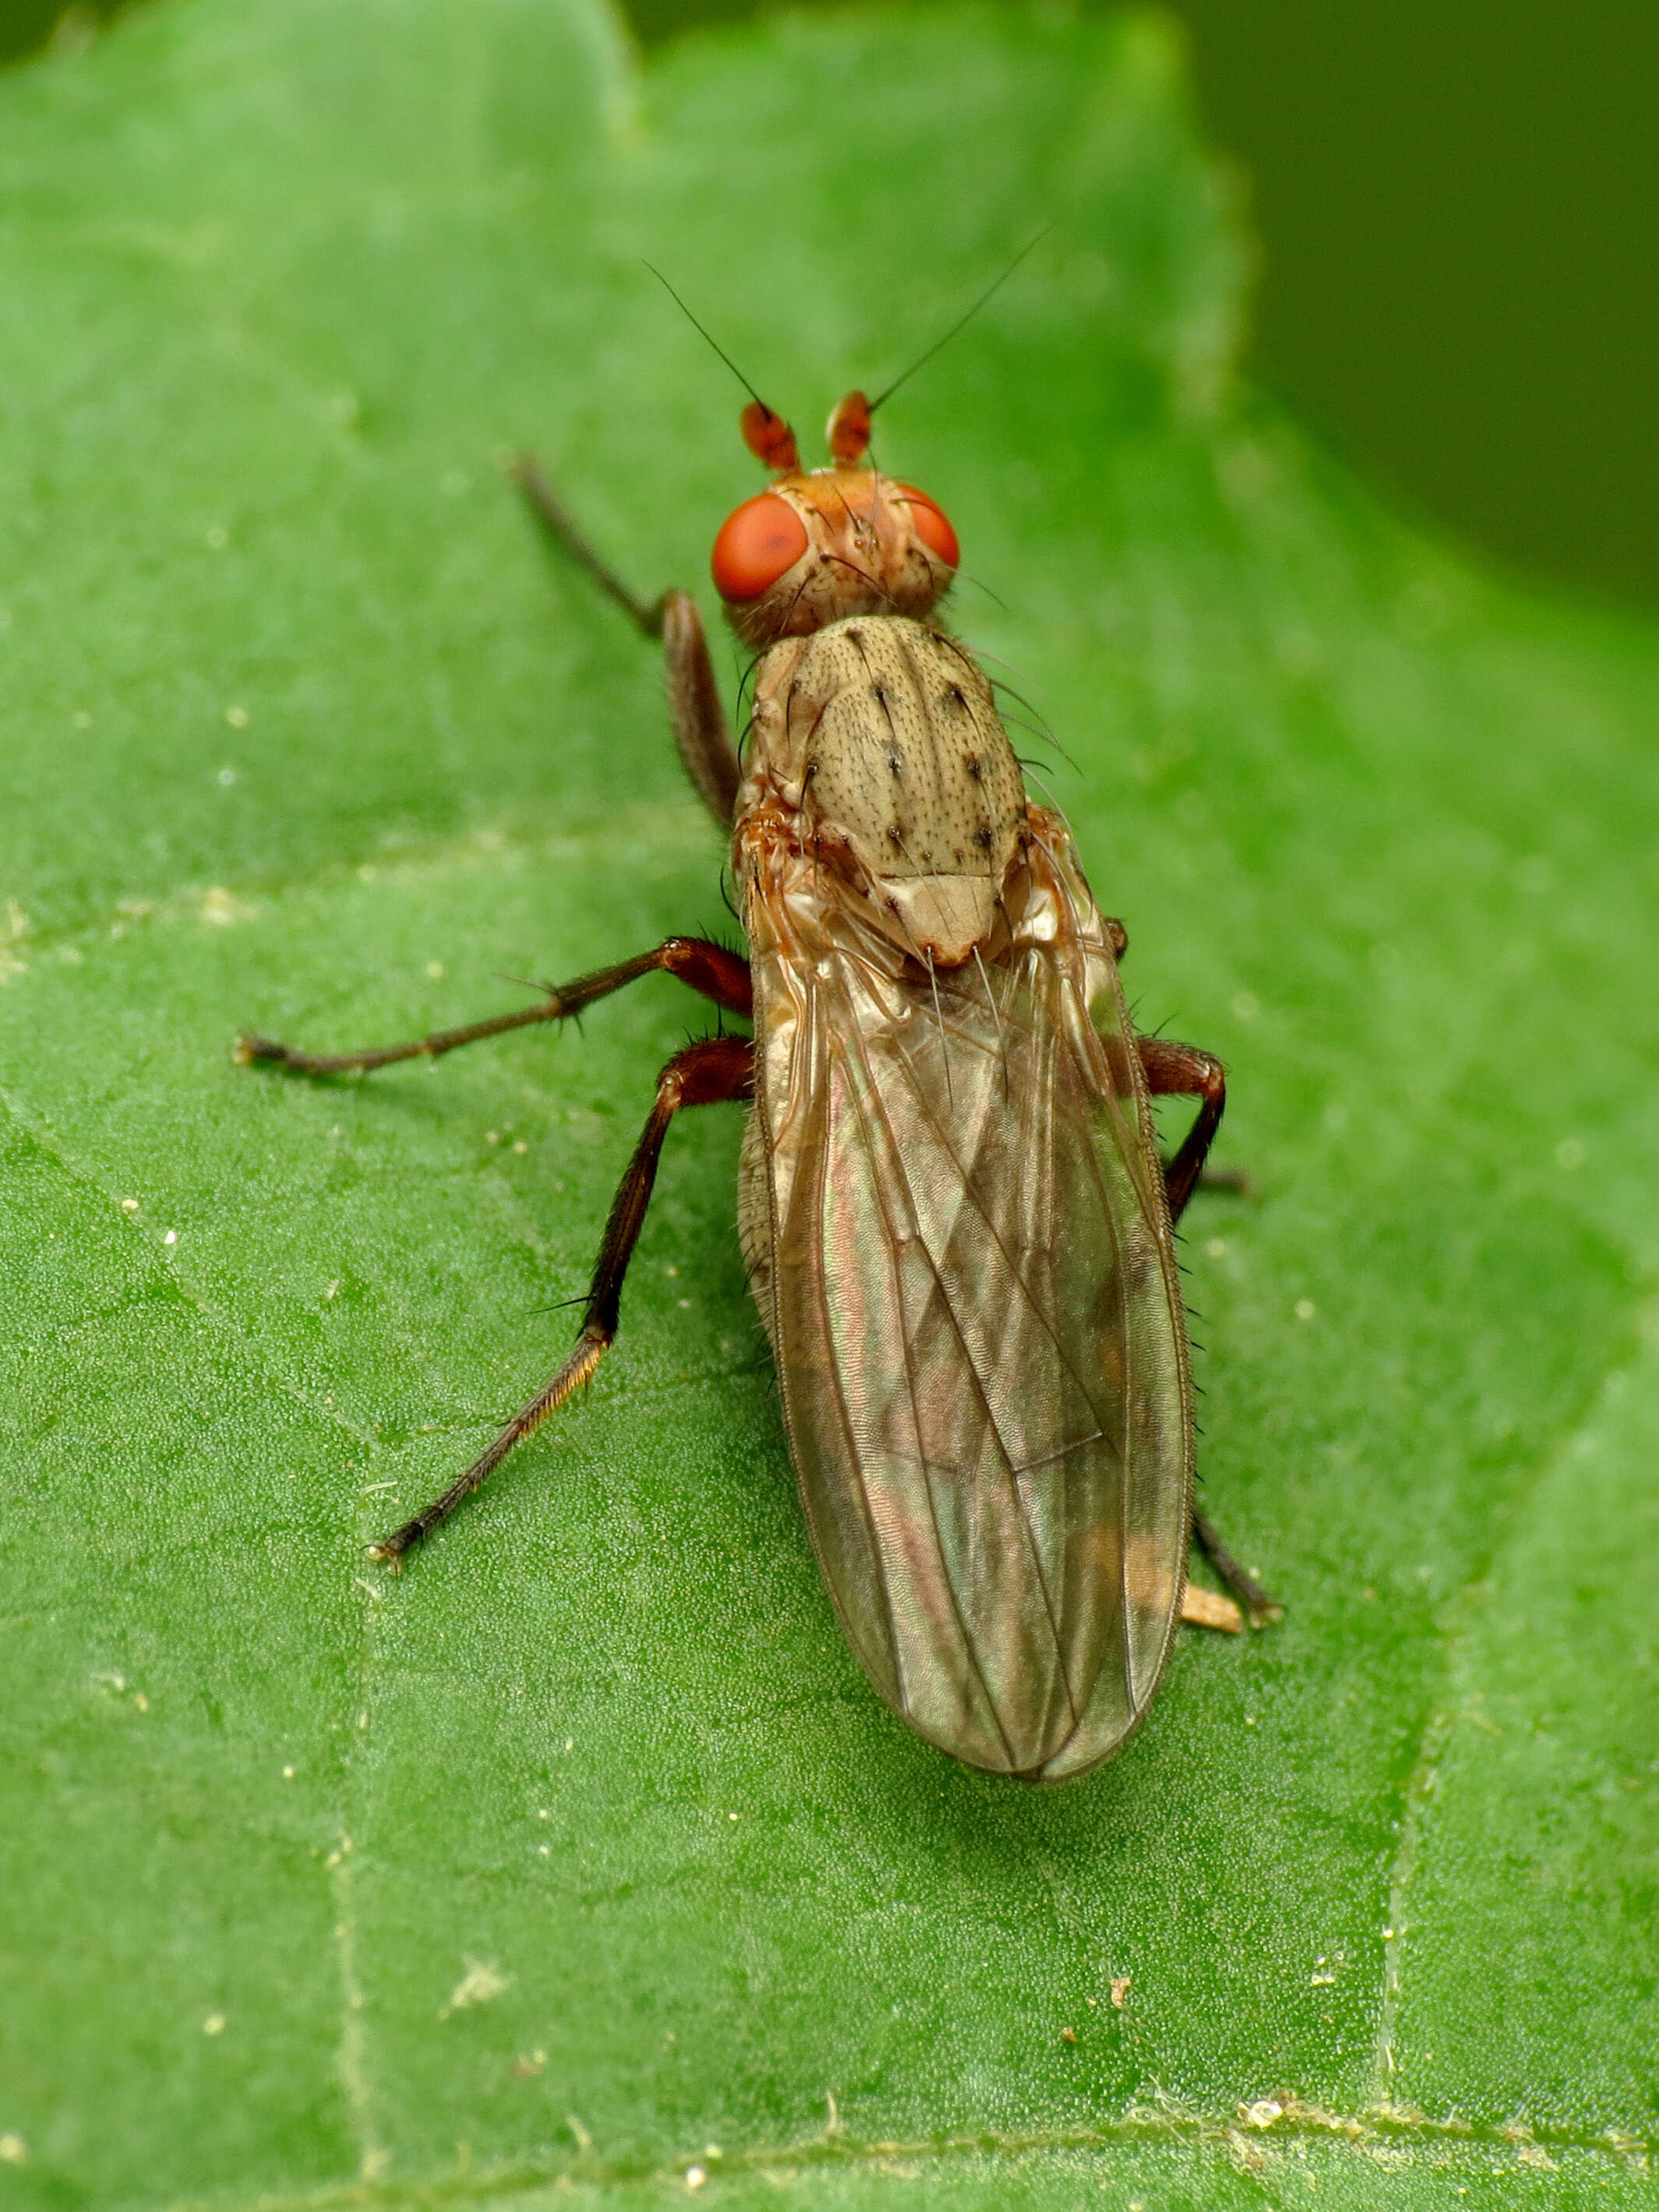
column 585, row 1847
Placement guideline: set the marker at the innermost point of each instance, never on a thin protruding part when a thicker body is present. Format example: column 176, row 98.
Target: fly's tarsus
column 1262, row 1610
column 699, row 721
column 266, row 1052
column 713, row 1070
column 557, row 523
column 591, row 1347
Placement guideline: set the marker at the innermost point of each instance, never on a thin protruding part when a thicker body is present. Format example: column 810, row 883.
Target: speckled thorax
column 876, row 740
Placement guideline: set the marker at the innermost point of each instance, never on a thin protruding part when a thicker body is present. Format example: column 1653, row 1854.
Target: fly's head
column 823, row 544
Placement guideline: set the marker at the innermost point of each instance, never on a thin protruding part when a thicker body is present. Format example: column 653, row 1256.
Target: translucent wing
column 972, row 1297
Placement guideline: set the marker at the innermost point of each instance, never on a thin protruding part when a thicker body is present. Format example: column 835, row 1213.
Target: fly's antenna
column 708, row 338
column 962, row 321
column 766, row 434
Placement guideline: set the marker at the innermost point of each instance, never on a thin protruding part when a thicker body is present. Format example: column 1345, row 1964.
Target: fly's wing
column 974, row 1305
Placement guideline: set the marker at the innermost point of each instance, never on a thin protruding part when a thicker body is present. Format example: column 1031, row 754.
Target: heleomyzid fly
column 956, row 1224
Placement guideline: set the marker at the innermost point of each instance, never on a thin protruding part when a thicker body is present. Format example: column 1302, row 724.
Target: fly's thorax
column 879, row 739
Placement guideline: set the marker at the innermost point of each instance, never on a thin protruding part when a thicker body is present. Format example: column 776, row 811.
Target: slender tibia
column 1262, row 1609
column 1182, row 1069
column 719, row 975
column 716, row 1069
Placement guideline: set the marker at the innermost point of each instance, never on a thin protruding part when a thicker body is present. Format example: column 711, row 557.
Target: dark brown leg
column 720, row 976
column 694, row 701
column 1262, row 1609
column 1182, row 1069
column 717, row 1070
column 555, row 520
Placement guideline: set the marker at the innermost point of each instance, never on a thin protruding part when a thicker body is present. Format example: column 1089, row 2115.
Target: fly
column 955, row 1219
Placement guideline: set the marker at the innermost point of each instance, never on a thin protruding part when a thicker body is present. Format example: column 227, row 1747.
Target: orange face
column 824, row 543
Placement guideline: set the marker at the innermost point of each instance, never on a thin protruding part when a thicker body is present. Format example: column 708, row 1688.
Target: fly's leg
column 1182, row 1069
column 718, row 1070
column 1262, row 1609
column 719, row 975
column 550, row 512
column 1233, row 1179
column 698, row 720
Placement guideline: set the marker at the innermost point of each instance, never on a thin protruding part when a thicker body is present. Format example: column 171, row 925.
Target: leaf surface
column 584, row 1846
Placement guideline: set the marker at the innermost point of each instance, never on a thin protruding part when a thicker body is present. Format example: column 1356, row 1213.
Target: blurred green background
column 1459, row 226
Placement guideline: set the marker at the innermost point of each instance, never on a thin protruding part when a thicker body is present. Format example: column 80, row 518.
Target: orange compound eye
column 927, row 520
column 758, row 543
